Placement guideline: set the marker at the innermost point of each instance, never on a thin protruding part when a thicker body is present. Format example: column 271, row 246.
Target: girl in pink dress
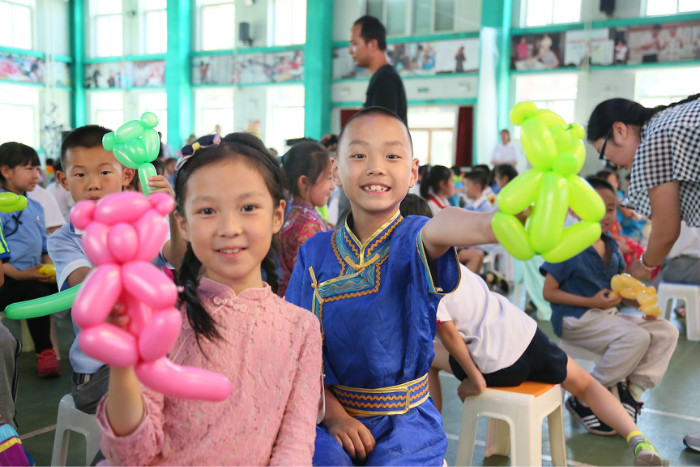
column 229, row 206
column 307, row 168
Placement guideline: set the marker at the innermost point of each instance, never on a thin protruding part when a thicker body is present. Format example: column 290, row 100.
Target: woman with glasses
column 661, row 146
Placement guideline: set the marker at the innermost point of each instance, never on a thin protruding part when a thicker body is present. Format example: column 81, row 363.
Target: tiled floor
column 670, row 411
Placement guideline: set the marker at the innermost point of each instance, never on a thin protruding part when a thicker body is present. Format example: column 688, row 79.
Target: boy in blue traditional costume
column 374, row 284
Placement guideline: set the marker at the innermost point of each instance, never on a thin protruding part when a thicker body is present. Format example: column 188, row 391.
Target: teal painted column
column 178, row 71
column 498, row 14
column 318, row 68
column 77, row 50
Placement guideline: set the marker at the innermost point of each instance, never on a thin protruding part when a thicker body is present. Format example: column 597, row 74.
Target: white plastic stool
column 515, row 426
column 502, row 264
column 72, row 419
column 583, row 357
column 690, row 294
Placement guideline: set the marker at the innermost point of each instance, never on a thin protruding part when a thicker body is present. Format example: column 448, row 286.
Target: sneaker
column 646, row 454
column 585, row 416
column 47, row 364
column 632, row 407
column 692, row 442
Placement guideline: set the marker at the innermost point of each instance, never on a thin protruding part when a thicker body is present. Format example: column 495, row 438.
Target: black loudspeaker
column 607, row 7
column 244, row 33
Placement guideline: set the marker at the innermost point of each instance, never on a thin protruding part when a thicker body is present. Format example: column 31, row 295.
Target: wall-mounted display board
column 425, row 58
column 21, row 68
column 250, row 68
column 631, row 45
column 125, row 74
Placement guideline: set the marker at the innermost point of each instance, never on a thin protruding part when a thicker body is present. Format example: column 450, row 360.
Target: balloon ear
column 82, row 213
column 162, row 203
column 108, row 141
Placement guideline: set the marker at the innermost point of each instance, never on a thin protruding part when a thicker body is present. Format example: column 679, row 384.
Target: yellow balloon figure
column 552, row 186
column 48, row 269
column 631, row 288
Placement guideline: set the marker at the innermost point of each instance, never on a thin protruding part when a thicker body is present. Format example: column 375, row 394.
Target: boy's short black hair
column 372, row 28
column 375, row 110
column 600, row 184
column 477, row 176
column 13, row 154
column 414, row 205
column 88, row 136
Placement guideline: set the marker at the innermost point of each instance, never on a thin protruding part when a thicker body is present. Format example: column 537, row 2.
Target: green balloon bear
column 136, row 144
column 557, row 154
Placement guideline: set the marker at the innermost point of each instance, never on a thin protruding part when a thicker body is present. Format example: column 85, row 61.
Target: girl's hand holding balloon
column 160, row 184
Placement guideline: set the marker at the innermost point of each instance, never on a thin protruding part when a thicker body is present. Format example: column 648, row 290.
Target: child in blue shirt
column 89, row 172
column 25, row 233
column 635, row 350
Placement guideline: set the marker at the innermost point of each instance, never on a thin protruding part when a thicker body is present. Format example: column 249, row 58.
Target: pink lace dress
column 302, row 223
column 271, row 351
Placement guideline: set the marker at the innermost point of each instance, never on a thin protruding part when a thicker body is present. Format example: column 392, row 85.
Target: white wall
column 255, row 14
column 345, row 12
column 468, row 15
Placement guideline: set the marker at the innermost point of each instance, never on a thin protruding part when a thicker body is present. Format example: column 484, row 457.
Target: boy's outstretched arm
column 455, row 346
column 553, row 294
column 456, row 227
column 353, row 436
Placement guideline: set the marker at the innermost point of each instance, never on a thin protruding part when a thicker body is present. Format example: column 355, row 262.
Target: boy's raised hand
column 605, row 299
column 353, row 435
column 161, row 185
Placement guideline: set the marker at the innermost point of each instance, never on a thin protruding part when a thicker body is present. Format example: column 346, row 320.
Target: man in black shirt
column 368, row 50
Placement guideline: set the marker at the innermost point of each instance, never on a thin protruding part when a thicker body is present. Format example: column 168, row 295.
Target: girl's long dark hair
column 437, row 174
column 626, row 111
column 254, row 152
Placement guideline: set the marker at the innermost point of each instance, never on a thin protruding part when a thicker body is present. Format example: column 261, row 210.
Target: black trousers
column 18, row 291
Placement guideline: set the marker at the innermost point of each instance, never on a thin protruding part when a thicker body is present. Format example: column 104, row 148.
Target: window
column 213, row 109
column 545, row 12
column 285, row 116
column 216, row 24
column 432, row 130
column 556, row 93
column 289, row 18
column 17, row 23
column 156, row 102
column 106, row 108
column 106, row 34
column 127, row 27
column 154, row 24
column 671, row 7
column 661, row 87
column 19, row 119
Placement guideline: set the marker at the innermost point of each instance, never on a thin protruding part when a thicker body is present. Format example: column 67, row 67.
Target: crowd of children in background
column 245, row 218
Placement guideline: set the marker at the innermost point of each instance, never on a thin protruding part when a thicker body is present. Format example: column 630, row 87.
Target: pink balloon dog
column 123, row 232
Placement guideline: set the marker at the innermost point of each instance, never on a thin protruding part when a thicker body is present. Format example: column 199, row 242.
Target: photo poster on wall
column 586, row 47
column 111, row 75
column 632, row 45
column 248, row 68
column 416, row 58
column 670, row 42
column 22, row 68
column 537, row 51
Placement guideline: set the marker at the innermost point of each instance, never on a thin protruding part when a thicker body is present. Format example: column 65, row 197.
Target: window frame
column 32, row 24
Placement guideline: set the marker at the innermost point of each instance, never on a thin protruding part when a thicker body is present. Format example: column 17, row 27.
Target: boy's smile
column 375, row 168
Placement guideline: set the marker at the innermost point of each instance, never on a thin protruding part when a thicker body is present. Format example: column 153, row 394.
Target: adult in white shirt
column 505, row 153
column 52, row 213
